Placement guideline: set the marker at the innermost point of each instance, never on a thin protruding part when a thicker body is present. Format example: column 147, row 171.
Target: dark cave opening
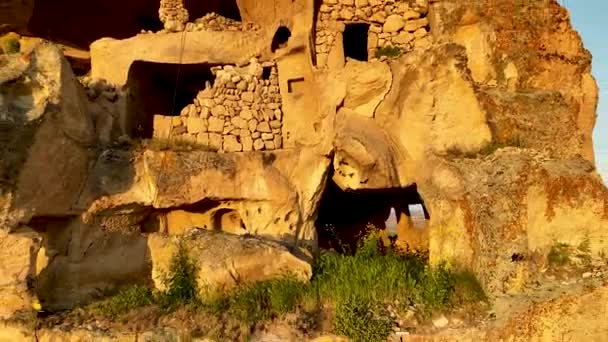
column 225, row 8
column 344, row 217
column 280, row 38
column 355, row 41
column 79, row 23
column 156, row 89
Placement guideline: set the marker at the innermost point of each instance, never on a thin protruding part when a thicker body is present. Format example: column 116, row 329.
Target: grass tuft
column 388, row 51
column 559, row 255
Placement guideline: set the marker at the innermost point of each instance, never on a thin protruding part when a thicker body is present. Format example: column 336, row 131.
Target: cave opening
column 225, row 8
column 345, row 217
column 355, row 41
column 162, row 89
column 280, row 39
column 79, row 23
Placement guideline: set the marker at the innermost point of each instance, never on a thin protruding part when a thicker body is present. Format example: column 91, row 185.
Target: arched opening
column 155, row 89
column 345, row 217
column 228, row 220
column 280, row 39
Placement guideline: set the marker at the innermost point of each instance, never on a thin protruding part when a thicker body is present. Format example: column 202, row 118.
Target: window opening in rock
column 345, row 217
column 266, row 71
column 153, row 90
column 355, row 41
column 228, row 220
column 225, row 8
column 280, row 38
column 292, row 84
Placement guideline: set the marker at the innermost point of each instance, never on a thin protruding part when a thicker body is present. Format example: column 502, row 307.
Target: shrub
column 388, row 51
column 181, row 283
column 559, row 255
column 362, row 320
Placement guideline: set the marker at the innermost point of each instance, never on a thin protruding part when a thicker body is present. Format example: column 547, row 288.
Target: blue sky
column 588, row 18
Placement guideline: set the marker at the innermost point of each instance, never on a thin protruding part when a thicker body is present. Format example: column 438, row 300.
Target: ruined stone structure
column 240, row 112
column 307, row 114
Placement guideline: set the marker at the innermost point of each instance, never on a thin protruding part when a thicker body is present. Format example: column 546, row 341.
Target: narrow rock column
column 173, row 15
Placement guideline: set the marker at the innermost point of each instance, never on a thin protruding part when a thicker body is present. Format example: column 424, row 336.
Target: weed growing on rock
column 362, row 320
column 559, row 255
column 126, row 300
column 388, row 51
column 181, row 282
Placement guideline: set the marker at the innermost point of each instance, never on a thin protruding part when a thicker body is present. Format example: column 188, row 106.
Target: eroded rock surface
column 489, row 113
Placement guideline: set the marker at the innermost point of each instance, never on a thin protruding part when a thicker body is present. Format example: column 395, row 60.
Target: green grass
column 126, row 300
column 358, row 287
column 559, row 255
column 388, row 51
column 490, row 148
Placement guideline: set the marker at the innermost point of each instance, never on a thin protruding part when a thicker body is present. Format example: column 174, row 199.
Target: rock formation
column 484, row 109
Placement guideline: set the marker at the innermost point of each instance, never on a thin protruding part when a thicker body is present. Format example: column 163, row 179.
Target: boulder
column 225, row 261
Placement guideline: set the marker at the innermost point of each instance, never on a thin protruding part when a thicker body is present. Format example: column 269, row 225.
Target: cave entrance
column 345, row 217
column 156, row 89
column 79, row 23
column 225, row 8
column 355, row 41
column 280, row 39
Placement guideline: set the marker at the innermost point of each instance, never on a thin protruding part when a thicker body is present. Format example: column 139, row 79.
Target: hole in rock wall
column 280, row 38
column 79, row 23
column 225, row 8
column 228, row 220
column 345, row 217
column 355, row 41
column 154, row 89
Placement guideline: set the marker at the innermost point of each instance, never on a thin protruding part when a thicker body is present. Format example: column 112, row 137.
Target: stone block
column 267, row 136
column 263, row 127
column 269, row 145
column 203, row 139
column 393, row 23
column 258, row 144
column 196, row 125
column 216, row 125
column 231, row 144
column 253, row 124
column 219, row 110
column 246, row 114
column 247, row 96
column 275, row 124
column 215, row 141
column 247, row 143
column 278, row 141
column 413, row 25
column 162, row 126
column 239, row 122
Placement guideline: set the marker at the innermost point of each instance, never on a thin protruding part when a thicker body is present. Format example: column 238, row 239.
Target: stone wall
column 399, row 23
column 241, row 111
column 212, row 22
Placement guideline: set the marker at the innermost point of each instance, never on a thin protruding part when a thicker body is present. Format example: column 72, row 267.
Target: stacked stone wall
column 401, row 24
column 211, row 22
column 240, row 111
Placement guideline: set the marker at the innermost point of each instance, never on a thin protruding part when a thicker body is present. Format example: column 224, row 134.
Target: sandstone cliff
column 484, row 110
